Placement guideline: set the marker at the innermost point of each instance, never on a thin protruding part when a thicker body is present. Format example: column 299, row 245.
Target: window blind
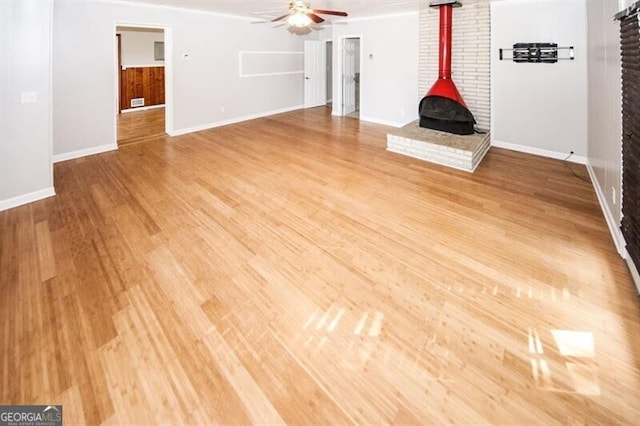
column 630, row 50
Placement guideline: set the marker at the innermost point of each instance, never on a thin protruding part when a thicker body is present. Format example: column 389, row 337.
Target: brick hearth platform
column 460, row 152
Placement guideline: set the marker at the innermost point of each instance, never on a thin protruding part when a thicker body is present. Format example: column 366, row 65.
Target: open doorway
column 351, row 77
column 141, row 89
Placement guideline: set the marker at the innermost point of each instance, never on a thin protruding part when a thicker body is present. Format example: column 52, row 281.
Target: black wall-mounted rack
column 546, row 53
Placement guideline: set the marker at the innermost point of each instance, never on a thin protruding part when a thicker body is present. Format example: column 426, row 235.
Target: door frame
column 119, row 71
column 329, row 77
column 168, row 72
column 338, row 71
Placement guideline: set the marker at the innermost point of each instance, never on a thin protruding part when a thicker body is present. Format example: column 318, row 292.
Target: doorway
column 142, row 97
column 351, row 61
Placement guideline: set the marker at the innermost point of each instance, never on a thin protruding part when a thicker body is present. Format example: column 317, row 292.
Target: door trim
column 119, row 71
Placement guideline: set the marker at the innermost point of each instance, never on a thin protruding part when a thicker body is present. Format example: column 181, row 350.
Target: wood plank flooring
column 140, row 126
column 290, row 270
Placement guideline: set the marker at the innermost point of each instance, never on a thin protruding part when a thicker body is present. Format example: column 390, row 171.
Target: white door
column 349, row 59
column 315, row 82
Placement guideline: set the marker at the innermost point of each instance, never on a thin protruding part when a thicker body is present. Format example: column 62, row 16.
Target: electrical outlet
column 613, row 195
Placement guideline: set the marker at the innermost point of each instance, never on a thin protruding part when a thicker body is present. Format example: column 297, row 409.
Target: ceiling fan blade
column 330, row 12
column 315, row 18
column 281, row 17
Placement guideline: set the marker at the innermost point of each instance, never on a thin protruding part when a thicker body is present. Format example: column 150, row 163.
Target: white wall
column 540, row 108
column 623, row 3
column 138, row 47
column 207, row 88
column 605, row 121
column 26, row 172
column 388, row 79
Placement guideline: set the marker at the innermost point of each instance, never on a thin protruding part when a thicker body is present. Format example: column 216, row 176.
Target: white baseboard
column 26, row 198
column 207, row 126
column 614, row 228
column 383, row 122
column 144, row 66
column 634, row 271
column 538, row 151
column 144, row 108
column 85, row 152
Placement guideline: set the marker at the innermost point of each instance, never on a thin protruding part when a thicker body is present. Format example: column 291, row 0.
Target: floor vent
column 137, row 102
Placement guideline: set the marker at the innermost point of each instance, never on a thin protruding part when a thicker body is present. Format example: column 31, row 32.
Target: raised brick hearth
column 460, row 152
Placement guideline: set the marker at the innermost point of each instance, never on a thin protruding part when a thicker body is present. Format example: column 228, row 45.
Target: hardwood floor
column 140, row 126
column 290, row 270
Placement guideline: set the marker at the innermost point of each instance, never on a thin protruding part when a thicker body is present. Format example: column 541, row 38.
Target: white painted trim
column 145, row 108
column 274, row 52
column 50, row 103
column 168, row 79
column 614, row 228
column 538, row 151
column 383, row 122
column 266, row 52
column 207, row 126
column 26, row 198
column 267, row 74
column 330, row 77
column 144, row 66
column 137, row 24
column 633, row 270
column 85, row 152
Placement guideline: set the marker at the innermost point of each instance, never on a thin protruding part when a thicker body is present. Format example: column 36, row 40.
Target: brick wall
column 471, row 55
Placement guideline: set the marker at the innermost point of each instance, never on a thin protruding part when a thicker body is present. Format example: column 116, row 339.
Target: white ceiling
column 273, row 8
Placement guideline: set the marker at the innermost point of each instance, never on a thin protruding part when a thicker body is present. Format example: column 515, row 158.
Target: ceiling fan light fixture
column 299, row 20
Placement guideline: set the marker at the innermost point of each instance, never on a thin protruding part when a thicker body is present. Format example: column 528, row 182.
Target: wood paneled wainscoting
column 141, row 82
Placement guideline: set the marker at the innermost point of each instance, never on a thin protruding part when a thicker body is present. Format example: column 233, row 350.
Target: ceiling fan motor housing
column 301, row 14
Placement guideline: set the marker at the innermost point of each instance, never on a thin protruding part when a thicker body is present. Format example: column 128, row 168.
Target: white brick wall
column 439, row 153
column 471, row 62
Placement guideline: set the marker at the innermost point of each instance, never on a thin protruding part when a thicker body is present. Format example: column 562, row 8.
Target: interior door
column 315, row 82
column 349, row 76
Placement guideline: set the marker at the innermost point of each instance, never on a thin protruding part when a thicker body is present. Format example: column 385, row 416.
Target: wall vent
column 137, row 102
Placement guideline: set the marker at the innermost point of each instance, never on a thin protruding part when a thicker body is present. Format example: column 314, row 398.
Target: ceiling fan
column 301, row 14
